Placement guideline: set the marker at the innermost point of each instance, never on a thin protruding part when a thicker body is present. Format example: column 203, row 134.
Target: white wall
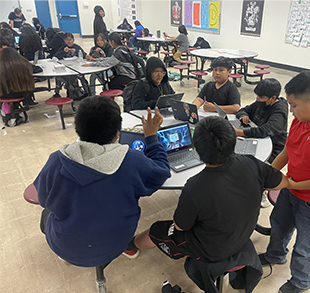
column 29, row 9
column 7, row 6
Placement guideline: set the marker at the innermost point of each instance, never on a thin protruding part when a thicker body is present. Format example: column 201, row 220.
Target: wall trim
column 278, row 65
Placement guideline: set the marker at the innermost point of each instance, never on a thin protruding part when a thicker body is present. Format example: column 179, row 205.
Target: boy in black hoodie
column 69, row 49
column 156, row 84
column 99, row 25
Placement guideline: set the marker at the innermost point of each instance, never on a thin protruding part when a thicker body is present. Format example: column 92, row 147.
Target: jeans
column 291, row 213
column 92, row 81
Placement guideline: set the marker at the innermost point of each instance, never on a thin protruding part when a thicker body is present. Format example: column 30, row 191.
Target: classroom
column 277, row 42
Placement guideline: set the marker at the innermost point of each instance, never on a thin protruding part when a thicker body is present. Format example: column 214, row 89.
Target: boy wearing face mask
column 269, row 112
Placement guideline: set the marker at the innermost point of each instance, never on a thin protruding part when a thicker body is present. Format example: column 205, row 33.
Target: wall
column 29, row 9
column 7, row 6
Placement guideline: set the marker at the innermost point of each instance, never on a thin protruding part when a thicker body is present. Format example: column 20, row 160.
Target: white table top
column 77, row 65
column 178, row 180
column 231, row 53
column 153, row 39
column 117, row 30
column 49, row 70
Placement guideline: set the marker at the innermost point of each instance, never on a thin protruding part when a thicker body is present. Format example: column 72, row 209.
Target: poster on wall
column 203, row 15
column 298, row 27
column 127, row 9
column 252, row 18
column 176, row 12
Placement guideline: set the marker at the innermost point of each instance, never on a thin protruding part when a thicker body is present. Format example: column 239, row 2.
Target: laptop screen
column 17, row 40
column 175, row 137
column 164, row 101
column 220, row 111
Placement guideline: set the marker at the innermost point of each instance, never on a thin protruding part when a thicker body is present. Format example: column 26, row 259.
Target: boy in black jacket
column 69, row 49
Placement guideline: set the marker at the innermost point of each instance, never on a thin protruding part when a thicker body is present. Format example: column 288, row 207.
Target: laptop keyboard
column 237, row 124
column 245, row 147
column 183, row 157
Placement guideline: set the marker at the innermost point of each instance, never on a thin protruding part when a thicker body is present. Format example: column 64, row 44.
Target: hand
column 72, row 50
column 85, row 65
column 151, row 125
column 245, row 119
column 207, row 106
column 92, row 58
column 87, row 57
column 66, row 49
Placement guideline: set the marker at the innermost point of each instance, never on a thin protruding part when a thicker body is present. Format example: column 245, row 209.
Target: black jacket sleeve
column 138, row 96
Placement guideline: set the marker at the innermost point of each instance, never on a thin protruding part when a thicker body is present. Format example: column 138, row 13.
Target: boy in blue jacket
column 90, row 189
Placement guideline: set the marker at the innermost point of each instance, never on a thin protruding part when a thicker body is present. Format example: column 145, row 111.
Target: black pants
column 119, row 82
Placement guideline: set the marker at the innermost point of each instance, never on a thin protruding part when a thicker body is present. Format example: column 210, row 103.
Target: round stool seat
column 30, row 194
column 262, row 66
column 125, row 41
column 192, row 48
column 261, row 72
column 181, row 67
column 166, row 53
column 199, row 73
column 188, row 62
column 58, row 101
column 112, row 93
column 236, row 75
column 11, row 100
column 142, row 52
column 131, row 49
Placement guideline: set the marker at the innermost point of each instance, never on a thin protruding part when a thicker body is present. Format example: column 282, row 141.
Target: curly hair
column 29, row 40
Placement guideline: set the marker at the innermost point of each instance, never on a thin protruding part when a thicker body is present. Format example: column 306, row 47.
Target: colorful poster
column 127, row 9
column 203, row 15
column 252, row 18
column 176, row 12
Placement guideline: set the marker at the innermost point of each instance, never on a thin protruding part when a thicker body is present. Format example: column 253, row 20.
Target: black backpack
column 139, row 64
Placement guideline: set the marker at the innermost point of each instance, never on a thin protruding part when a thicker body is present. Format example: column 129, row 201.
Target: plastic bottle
column 80, row 55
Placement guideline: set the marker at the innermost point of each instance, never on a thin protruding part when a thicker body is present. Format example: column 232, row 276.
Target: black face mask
column 263, row 105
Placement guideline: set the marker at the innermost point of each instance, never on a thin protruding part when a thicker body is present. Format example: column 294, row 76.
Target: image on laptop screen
column 175, row 137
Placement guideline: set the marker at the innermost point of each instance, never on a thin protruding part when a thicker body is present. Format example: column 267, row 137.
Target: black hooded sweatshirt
column 146, row 92
column 99, row 25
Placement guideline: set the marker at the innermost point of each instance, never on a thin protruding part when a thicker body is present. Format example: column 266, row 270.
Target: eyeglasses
column 159, row 73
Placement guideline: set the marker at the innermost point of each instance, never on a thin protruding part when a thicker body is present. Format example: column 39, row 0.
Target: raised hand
column 151, row 125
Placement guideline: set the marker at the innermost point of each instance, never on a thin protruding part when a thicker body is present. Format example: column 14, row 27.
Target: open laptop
column 237, row 123
column 36, row 57
column 163, row 103
column 184, row 111
column 135, row 140
column 246, row 146
column 177, row 141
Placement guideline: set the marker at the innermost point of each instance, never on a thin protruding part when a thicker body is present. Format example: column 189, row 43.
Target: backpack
column 127, row 94
column 139, row 64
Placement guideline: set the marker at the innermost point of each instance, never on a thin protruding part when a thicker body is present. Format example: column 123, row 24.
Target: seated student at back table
column 220, row 91
column 101, row 50
column 207, row 223
column 125, row 25
column 148, row 90
column 90, row 189
column 269, row 113
column 139, row 33
column 292, row 210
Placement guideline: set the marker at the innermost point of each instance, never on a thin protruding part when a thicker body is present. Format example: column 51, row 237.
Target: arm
column 302, row 185
column 198, row 102
column 230, row 109
column 171, row 39
column 12, row 23
column 281, row 160
column 106, row 62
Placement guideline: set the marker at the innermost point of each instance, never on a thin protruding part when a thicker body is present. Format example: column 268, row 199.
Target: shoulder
column 11, row 15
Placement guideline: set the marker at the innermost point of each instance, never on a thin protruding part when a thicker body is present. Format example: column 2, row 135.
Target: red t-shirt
column 298, row 150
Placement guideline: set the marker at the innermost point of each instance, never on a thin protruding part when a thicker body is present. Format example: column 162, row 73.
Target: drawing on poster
column 176, row 12
column 203, row 15
column 126, row 9
column 298, row 27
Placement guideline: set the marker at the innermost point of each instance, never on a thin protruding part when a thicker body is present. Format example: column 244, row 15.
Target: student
column 221, row 91
column 183, row 43
column 101, row 50
column 147, row 91
column 69, row 50
column 125, row 25
column 93, row 230
column 29, row 43
column 138, row 34
column 207, row 223
column 6, row 25
column 7, row 34
column 39, row 27
column 4, row 43
column 17, row 18
column 99, row 24
column 269, row 113
column 201, row 43
column 122, row 62
column 292, row 210
column 54, row 40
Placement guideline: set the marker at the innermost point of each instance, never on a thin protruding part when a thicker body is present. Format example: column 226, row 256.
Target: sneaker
column 265, row 201
column 288, row 287
column 56, row 95
column 264, row 262
column 131, row 254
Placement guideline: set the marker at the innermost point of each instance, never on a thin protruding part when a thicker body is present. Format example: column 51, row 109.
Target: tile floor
column 27, row 264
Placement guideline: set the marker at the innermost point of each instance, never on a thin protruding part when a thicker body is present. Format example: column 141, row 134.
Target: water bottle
column 80, row 55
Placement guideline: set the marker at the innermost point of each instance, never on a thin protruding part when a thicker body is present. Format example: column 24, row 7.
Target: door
column 43, row 13
column 68, row 16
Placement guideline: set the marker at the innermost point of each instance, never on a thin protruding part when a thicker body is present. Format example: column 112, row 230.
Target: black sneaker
column 56, row 95
column 264, row 262
column 288, row 287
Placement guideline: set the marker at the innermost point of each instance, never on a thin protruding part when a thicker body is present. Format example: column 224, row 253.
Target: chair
column 234, row 76
column 142, row 53
column 31, row 196
column 199, row 75
column 262, row 66
column 181, row 68
column 59, row 102
column 261, row 73
column 112, row 93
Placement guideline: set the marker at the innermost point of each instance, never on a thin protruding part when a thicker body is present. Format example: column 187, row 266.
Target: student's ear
column 229, row 71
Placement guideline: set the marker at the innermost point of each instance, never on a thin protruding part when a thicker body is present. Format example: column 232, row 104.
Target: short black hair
column 66, row 35
column 146, row 32
column 214, row 140
column 17, row 11
column 299, row 86
column 116, row 38
column 182, row 29
column 268, row 87
column 98, row 119
column 137, row 23
column 225, row 62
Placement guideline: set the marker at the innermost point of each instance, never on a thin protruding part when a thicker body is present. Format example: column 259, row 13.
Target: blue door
column 43, row 12
column 68, row 16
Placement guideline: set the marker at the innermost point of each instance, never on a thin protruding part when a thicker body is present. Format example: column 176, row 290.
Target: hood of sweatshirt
column 105, row 159
column 151, row 64
column 97, row 9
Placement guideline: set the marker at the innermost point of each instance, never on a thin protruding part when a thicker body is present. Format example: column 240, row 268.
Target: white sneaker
column 131, row 254
column 265, row 201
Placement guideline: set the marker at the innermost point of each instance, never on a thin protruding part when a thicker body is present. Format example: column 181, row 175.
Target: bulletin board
column 203, row 15
column 127, row 9
column 298, row 27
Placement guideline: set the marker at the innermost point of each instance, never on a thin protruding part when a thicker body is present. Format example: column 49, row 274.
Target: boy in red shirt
column 292, row 210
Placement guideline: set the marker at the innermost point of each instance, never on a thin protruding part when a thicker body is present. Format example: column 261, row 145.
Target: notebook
column 177, row 141
column 163, row 103
column 184, row 111
column 135, row 140
column 237, row 123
